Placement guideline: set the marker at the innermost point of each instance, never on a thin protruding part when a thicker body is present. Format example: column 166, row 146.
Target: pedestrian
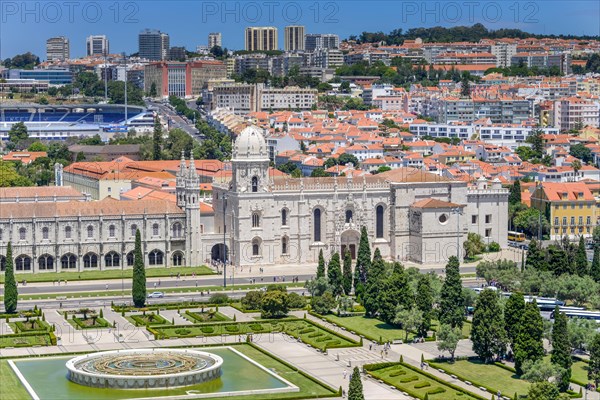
column 370, row 346
column 196, row 283
column 106, row 286
column 154, row 285
column 60, row 305
column 382, row 354
column 345, row 372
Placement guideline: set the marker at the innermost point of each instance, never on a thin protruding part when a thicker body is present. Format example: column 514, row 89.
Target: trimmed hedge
column 197, row 317
column 46, row 336
column 100, row 323
column 139, row 320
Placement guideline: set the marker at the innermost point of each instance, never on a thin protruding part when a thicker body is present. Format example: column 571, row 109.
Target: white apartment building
column 574, row 112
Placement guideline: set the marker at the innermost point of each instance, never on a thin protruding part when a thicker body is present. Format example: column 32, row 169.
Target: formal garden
column 86, row 318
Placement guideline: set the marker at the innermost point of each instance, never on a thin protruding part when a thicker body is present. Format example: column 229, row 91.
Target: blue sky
column 25, row 26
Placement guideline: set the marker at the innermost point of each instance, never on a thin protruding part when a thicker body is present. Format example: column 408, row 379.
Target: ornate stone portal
column 144, row 368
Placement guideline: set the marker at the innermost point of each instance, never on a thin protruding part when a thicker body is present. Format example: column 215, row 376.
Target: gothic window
column 379, row 222
column 46, row 261
column 130, row 259
column 254, row 184
column 45, row 233
column 90, row 260
column 155, row 230
column 317, row 224
column 348, row 216
column 155, row 257
column 284, row 217
column 23, row 263
column 90, row 232
column 133, row 230
column 112, row 259
column 256, row 247
column 68, row 232
column 284, row 245
column 2, row 263
column 111, row 231
column 177, row 259
column 255, row 220
column 68, row 261
column 177, row 230
column 22, row 233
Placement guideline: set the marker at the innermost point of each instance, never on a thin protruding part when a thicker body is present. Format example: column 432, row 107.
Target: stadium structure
column 60, row 122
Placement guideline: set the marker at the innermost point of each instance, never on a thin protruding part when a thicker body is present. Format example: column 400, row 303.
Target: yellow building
column 570, row 208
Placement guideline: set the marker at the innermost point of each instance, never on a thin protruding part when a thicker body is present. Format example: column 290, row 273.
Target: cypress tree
column 452, row 309
column 157, row 140
column 515, row 193
column 138, row 289
column 355, row 389
column 321, row 266
column 595, row 268
column 513, row 311
column 561, row 348
column 347, row 273
column 581, row 262
column 488, row 334
column 528, row 344
column 372, row 290
column 10, row 285
column 536, row 257
column 424, row 302
column 334, row 275
column 363, row 262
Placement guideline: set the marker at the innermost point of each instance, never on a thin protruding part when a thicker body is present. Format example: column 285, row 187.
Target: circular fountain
column 144, row 368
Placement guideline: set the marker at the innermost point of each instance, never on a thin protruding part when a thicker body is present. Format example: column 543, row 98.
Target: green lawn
column 417, row 384
column 107, row 274
column 487, row 375
column 371, row 328
column 149, row 319
column 10, row 385
column 24, row 341
column 308, row 332
column 210, row 315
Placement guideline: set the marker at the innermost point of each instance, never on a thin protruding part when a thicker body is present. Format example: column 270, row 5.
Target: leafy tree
column 448, row 338
column 581, row 262
column 317, row 286
column 581, row 152
column 424, row 302
column 355, row 388
column 543, row 391
column 581, row 333
column 375, row 277
column 536, row 258
column 561, row 348
column 9, row 177
column 37, row 146
column 488, row 334
column 451, row 303
column 252, row 300
column 363, row 262
column 595, row 268
column 157, row 140
column 334, row 275
column 321, row 266
column 138, row 289
column 541, row 371
column 558, row 259
column 409, row 318
column 513, row 311
column 274, row 304
column 528, row 344
column 347, row 273
column 153, row 92
column 392, row 292
column 515, row 193
column 473, row 245
column 536, row 140
column 323, row 304
column 594, row 365
column 318, row 173
column 10, row 285
column 465, row 89
column 18, row 133
column 527, row 220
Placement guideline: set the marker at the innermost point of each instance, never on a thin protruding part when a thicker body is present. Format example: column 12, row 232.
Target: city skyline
column 123, row 26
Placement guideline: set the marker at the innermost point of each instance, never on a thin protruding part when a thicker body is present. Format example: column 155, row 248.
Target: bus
column 544, row 303
column 516, row 236
column 582, row 314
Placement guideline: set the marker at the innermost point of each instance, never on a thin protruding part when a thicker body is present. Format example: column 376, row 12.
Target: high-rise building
column 294, row 38
column 261, row 38
column 214, row 39
column 177, row 53
column 153, row 44
column 57, row 49
column 181, row 79
column 317, row 41
column 97, row 45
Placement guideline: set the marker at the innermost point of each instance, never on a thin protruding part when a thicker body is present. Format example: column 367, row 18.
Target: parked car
column 156, row 295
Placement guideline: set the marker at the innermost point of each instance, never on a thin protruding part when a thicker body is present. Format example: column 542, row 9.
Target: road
column 176, row 121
